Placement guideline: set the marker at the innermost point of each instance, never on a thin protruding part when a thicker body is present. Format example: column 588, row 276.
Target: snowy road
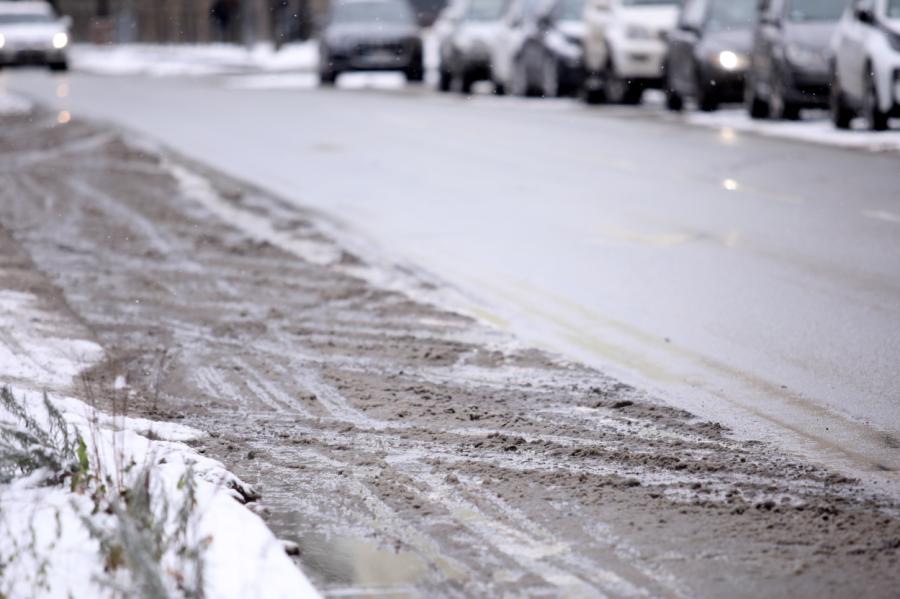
column 751, row 280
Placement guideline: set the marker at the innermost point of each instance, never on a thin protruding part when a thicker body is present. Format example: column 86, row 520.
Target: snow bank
column 12, row 104
column 71, row 533
column 817, row 130
column 206, row 59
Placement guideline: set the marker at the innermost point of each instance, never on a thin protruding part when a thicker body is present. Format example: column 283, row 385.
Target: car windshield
column 25, row 18
column 372, row 12
column 725, row 15
column 801, row 11
column 484, row 10
column 570, row 10
column 651, row 2
column 893, row 9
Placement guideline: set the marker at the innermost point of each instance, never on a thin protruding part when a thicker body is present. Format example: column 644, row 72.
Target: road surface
column 750, row 280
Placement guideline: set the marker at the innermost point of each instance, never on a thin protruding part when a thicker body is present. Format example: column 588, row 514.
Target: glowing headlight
column 2, row 40
column 638, row 32
column 60, row 40
column 728, row 60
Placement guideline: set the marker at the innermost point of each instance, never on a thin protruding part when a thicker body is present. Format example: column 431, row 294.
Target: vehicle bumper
column 31, row 57
column 808, row 88
column 727, row 85
column 382, row 57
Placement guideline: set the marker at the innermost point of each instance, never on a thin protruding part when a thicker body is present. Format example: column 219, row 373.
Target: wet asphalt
column 751, row 280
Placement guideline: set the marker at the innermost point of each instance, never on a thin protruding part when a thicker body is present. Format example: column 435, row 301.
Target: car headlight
column 803, row 56
column 638, row 32
column 730, row 60
column 60, row 40
column 2, row 40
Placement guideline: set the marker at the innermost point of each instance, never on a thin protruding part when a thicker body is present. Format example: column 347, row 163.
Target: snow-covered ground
column 82, row 530
column 209, row 59
column 815, row 129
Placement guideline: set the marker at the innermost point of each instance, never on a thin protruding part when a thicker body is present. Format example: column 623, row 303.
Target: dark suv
column 370, row 35
column 789, row 62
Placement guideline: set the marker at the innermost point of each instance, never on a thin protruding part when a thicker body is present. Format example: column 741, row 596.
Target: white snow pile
column 815, row 130
column 98, row 505
column 13, row 104
column 159, row 60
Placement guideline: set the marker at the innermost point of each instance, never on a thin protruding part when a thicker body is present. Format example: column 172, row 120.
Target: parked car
column 625, row 47
column 370, row 35
column 517, row 23
column 467, row 58
column 709, row 53
column 551, row 61
column 789, row 62
column 865, row 76
column 31, row 33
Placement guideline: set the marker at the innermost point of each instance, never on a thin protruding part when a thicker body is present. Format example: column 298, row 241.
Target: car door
column 682, row 42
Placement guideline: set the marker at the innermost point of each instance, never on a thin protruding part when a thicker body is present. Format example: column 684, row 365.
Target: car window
column 801, row 11
column 892, row 11
column 372, row 12
column 725, row 15
column 692, row 14
column 570, row 10
column 25, row 18
column 484, row 10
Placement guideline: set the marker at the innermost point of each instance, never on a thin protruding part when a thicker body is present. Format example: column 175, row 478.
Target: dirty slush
column 403, row 446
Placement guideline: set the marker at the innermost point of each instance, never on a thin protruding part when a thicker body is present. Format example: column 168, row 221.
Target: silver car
column 31, row 33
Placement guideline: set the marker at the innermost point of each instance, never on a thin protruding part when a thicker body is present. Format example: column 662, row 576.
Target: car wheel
column 620, row 90
column 327, row 77
column 445, row 80
column 841, row 114
column 875, row 118
column 674, row 100
column 518, row 85
column 757, row 108
column 549, row 77
column 779, row 107
column 415, row 73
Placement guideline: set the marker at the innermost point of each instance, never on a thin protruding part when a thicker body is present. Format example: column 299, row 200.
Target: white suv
column 625, row 47
column 866, row 64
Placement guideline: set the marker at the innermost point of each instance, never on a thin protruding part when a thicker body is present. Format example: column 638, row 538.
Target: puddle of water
column 353, row 567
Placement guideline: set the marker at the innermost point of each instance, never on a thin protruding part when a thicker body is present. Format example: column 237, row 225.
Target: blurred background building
column 201, row 21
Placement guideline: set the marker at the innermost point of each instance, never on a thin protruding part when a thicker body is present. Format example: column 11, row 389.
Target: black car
column 789, row 62
column 551, row 60
column 709, row 52
column 370, row 35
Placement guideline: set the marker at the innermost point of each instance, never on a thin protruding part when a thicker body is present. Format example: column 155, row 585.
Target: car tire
column 59, row 67
column 875, row 118
column 706, row 98
column 415, row 73
column 445, row 80
column 841, row 114
column 549, row 77
column 620, row 90
column 467, row 80
column 328, row 77
column 780, row 108
column 499, row 88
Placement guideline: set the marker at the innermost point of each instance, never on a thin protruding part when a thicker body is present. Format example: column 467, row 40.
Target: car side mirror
column 865, row 15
